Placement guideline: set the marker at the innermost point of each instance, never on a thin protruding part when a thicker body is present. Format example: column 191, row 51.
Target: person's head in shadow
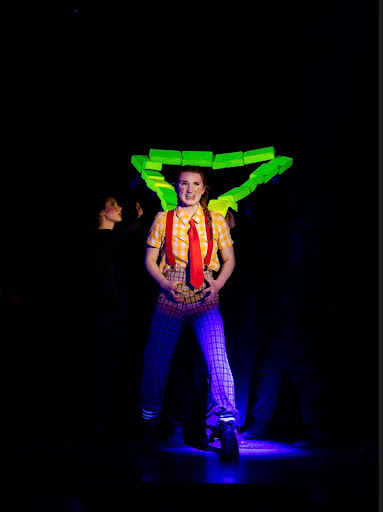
column 106, row 209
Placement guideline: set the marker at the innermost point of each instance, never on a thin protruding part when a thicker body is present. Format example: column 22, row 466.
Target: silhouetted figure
column 287, row 342
column 109, row 366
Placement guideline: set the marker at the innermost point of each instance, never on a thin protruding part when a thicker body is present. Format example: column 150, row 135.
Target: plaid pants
column 167, row 321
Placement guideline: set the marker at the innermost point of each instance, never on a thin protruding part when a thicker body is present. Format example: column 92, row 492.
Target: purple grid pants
column 166, row 325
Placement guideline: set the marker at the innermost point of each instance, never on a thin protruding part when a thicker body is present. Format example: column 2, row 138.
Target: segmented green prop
column 150, row 169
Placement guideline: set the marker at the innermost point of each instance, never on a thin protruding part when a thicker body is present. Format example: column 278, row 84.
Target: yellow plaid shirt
column 180, row 238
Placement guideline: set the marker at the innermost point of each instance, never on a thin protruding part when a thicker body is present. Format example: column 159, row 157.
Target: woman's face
column 189, row 188
column 112, row 211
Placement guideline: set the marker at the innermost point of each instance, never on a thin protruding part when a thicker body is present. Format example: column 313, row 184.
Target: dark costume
column 287, row 353
column 111, row 267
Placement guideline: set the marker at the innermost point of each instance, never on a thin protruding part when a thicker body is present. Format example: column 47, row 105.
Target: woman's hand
column 229, row 217
column 173, row 290
column 210, row 291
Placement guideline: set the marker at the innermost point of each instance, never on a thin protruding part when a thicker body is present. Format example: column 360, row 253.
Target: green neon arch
column 150, row 169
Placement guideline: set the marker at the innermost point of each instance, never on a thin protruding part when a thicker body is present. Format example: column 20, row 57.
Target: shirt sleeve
column 224, row 236
column 157, row 231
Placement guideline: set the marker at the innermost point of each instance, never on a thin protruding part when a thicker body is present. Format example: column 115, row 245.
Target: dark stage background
column 87, row 91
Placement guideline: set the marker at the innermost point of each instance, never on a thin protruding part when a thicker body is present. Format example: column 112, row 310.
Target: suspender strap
column 210, row 243
column 169, row 230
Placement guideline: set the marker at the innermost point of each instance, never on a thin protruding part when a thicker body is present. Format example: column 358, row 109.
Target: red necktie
column 195, row 258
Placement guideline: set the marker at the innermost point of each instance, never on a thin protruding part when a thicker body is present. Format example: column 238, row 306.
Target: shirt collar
column 184, row 217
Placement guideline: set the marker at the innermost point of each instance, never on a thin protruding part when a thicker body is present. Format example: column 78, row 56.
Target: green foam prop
column 283, row 162
column 237, row 193
column 198, row 158
column 222, row 205
column 155, row 184
column 166, row 156
column 142, row 162
column 252, row 183
column 258, row 174
column 269, row 170
column 273, row 172
column 258, row 155
column 152, row 184
column 149, row 168
column 224, row 160
column 168, row 198
column 153, row 166
column 138, row 161
column 154, row 175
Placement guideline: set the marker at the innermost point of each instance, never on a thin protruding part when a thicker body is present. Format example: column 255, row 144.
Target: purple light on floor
column 269, row 449
column 205, row 466
column 229, row 480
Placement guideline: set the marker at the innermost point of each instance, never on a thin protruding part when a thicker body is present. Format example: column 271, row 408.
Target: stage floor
column 55, row 475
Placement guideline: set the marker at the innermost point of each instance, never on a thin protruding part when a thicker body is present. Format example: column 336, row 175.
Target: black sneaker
column 229, row 443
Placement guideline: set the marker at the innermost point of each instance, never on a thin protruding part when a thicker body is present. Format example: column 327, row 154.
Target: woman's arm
column 151, row 264
column 228, row 265
column 169, row 287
